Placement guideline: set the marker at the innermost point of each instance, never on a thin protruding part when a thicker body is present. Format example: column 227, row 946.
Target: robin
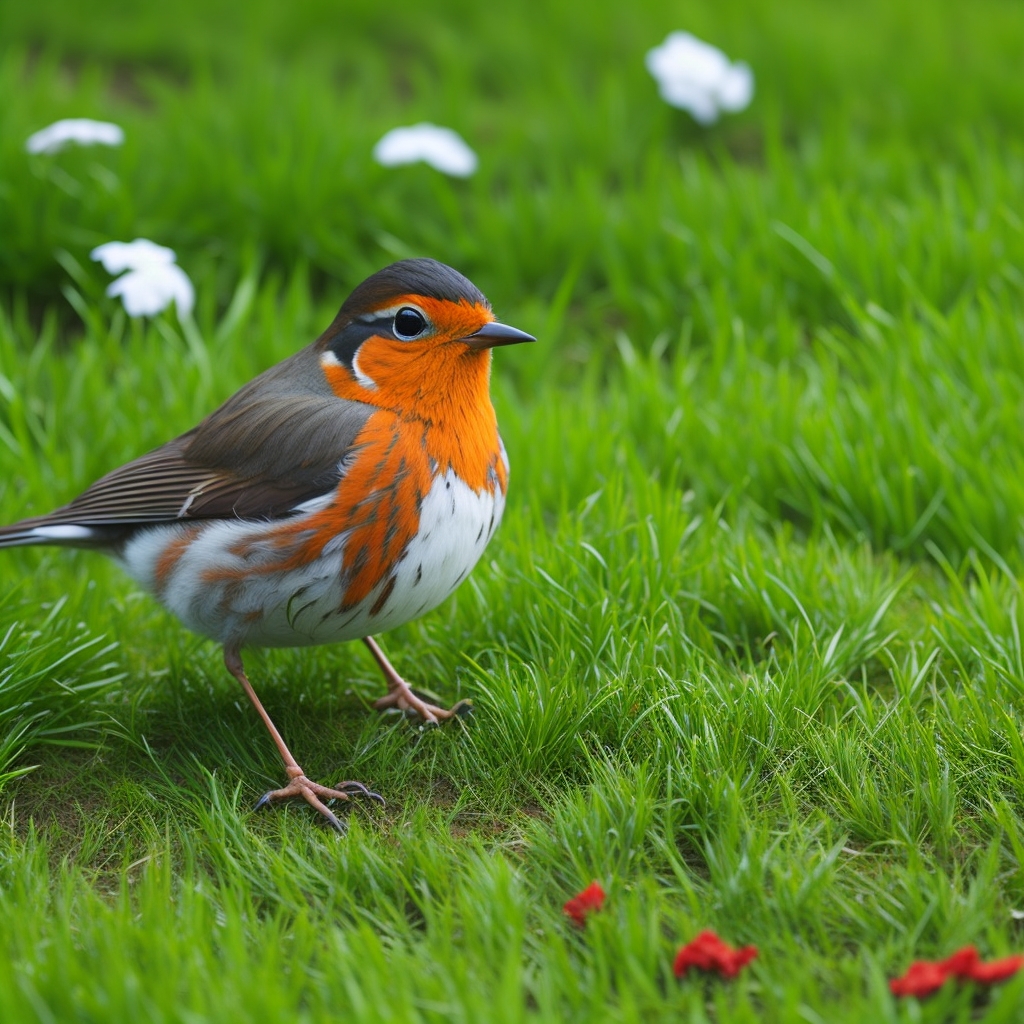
column 344, row 491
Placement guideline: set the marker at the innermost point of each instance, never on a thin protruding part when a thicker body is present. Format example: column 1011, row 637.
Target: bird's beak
column 494, row 334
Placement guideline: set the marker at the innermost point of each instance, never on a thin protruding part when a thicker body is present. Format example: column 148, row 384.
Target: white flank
column 304, row 606
column 455, row 525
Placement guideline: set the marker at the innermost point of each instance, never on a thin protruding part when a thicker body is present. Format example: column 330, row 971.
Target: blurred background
column 249, row 131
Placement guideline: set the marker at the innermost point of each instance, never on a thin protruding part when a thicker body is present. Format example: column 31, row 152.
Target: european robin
column 341, row 493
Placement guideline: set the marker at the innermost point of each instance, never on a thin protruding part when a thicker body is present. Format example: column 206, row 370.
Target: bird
column 341, row 493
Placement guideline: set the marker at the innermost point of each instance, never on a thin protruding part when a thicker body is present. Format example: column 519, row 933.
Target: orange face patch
column 392, row 365
column 436, row 381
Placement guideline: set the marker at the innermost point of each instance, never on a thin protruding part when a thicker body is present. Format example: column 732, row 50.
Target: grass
column 747, row 647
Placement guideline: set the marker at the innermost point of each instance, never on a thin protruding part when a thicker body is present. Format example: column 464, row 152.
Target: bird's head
column 415, row 334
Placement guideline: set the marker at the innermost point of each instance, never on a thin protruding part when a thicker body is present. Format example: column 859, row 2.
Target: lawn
column 747, row 648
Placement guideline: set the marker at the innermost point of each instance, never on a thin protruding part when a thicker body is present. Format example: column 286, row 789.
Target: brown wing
column 279, row 441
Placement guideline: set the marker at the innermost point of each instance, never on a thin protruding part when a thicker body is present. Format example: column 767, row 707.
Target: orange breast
column 378, row 501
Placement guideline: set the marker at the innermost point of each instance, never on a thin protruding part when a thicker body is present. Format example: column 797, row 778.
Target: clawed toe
column 314, row 794
column 358, row 789
column 402, row 697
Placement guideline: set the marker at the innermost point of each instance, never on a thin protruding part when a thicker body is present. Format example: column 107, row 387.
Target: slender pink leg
column 311, row 792
column 400, row 694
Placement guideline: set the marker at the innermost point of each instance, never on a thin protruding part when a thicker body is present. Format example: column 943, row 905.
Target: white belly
column 304, row 606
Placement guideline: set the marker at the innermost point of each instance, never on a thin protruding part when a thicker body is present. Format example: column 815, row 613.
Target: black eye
column 409, row 323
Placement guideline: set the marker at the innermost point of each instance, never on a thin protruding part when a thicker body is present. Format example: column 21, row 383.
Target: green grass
column 747, row 647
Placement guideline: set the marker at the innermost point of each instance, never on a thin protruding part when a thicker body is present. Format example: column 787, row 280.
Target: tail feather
column 13, row 537
column 38, row 531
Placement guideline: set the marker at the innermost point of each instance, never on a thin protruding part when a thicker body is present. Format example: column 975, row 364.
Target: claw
column 318, row 796
column 358, row 789
column 403, row 698
column 349, row 786
column 336, row 823
column 400, row 694
column 298, row 785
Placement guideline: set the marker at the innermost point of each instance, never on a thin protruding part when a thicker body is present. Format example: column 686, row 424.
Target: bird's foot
column 314, row 794
column 400, row 695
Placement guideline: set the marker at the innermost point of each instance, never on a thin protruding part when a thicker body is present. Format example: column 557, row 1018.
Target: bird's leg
column 400, row 694
column 312, row 792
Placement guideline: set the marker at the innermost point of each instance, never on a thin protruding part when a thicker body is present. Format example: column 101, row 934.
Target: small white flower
column 80, row 131
column 119, row 256
column 153, row 280
column 150, row 290
column 698, row 77
column 444, row 149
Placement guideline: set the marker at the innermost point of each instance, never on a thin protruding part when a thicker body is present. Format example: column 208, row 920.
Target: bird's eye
column 409, row 323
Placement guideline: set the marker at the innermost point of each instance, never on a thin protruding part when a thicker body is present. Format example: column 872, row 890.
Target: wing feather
column 278, row 442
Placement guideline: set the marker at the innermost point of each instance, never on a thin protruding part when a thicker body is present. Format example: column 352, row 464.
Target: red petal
column 925, row 976
column 586, row 902
column 707, row 952
column 740, row 958
column 962, row 963
column 922, row 978
column 996, row 970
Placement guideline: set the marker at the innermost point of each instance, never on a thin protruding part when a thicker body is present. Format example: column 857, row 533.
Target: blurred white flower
column 119, row 256
column 150, row 290
column 80, row 131
column 444, row 149
column 153, row 280
column 698, row 77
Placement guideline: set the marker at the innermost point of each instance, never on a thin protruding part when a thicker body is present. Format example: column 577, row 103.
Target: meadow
column 747, row 648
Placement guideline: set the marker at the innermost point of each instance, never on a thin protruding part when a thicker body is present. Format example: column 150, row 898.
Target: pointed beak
column 494, row 334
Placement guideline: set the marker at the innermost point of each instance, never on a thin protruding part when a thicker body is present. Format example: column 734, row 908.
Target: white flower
column 153, row 280
column 698, row 77
column 119, row 256
column 78, row 130
column 444, row 149
column 147, row 291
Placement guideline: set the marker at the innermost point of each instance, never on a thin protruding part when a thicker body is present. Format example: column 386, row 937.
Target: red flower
column 925, row 976
column 996, row 970
column 707, row 952
column 961, row 964
column 922, row 979
column 591, row 899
